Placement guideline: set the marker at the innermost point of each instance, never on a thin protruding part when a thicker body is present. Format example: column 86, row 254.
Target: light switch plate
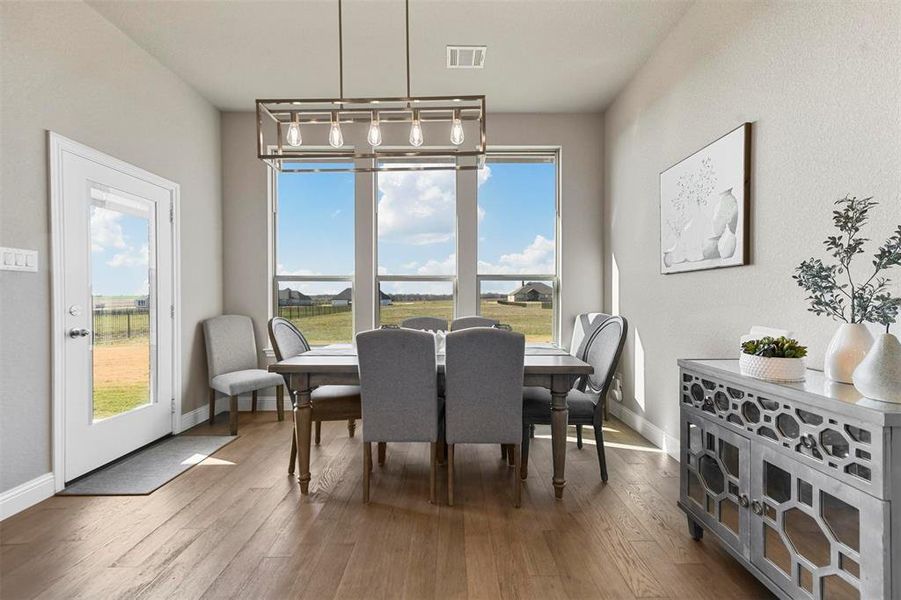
column 17, row 259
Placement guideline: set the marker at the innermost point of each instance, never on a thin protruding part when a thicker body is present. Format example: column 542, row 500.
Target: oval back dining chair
column 470, row 322
column 425, row 323
column 602, row 352
column 233, row 364
column 399, row 390
column 483, row 393
column 329, row 402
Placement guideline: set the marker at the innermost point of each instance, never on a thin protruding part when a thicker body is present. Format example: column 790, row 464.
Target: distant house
column 532, row 291
column 142, row 302
column 289, row 297
column 345, row 298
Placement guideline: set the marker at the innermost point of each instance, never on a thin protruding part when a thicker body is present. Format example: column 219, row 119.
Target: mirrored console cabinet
column 800, row 482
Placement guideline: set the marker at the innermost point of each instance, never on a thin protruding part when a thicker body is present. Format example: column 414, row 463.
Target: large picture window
column 314, row 254
column 506, row 237
column 518, row 243
column 416, row 225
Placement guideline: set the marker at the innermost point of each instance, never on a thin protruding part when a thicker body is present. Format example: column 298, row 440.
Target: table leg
column 559, row 422
column 303, row 418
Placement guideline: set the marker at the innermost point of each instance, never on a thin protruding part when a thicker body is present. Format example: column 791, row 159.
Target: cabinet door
column 715, row 475
column 813, row 535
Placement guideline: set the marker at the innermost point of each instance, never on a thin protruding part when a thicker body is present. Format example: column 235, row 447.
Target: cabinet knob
column 743, row 501
column 757, row 507
column 809, row 442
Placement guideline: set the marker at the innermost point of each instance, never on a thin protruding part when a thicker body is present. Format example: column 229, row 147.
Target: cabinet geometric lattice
column 795, row 480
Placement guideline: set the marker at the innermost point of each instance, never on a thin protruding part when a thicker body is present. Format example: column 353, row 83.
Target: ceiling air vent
column 466, row 57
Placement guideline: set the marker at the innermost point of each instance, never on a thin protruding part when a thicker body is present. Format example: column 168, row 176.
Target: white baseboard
column 202, row 413
column 648, row 430
column 28, row 494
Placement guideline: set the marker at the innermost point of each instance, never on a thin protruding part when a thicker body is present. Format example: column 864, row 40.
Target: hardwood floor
column 237, row 526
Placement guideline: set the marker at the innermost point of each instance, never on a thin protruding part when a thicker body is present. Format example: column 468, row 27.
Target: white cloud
column 144, row 290
column 336, row 213
column 419, row 207
column 106, row 231
column 131, row 257
column 536, row 258
column 448, row 266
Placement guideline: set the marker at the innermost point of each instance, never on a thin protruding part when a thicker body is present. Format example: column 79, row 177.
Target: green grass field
column 532, row 320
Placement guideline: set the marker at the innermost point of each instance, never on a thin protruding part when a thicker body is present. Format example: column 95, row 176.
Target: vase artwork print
column 704, row 206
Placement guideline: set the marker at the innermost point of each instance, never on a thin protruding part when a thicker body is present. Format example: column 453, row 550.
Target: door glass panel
column 122, row 261
column 695, row 491
column 711, row 474
column 775, row 550
column 836, row 588
column 694, row 438
column 843, row 519
column 776, row 483
column 806, row 536
column 805, row 579
column 729, row 456
column 849, row 565
column 729, row 514
column 805, row 492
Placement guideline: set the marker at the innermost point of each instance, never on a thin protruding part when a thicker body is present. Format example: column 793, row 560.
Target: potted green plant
column 833, row 290
column 773, row 359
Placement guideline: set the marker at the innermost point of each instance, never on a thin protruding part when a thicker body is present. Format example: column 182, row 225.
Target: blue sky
column 119, row 253
column 417, row 221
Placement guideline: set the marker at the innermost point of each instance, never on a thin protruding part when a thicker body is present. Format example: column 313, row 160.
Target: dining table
column 544, row 366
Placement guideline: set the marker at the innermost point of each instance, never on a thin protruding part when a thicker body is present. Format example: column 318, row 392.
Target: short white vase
column 772, row 369
column 878, row 376
column 848, row 348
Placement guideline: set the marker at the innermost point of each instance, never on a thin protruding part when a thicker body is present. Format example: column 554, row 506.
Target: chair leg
column 280, row 402
column 599, row 443
column 442, row 452
column 212, row 405
column 510, row 457
column 233, row 415
column 524, row 458
column 579, row 437
column 382, row 448
column 317, row 434
column 604, row 405
column 367, row 467
column 433, row 471
column 450, row 474
column 351, row 427
column 532, row 430
column 253, row 401
column 503, row 451
column 517, row 481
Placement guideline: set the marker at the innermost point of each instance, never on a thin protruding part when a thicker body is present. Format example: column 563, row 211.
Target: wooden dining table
column 544, row 366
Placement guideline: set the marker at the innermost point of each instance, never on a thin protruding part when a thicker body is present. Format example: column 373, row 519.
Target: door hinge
column 172, row 311
column 171, row 211
column 172, row 408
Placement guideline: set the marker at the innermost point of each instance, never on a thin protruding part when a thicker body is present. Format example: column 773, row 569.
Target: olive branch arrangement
column 828, row 292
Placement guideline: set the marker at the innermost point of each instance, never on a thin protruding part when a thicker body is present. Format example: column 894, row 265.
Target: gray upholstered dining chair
column 602, row 351
column 330, row 402
column 399, row 390
column 231, row 355
column 469, row 322
column 425, row 323
column 483, row 394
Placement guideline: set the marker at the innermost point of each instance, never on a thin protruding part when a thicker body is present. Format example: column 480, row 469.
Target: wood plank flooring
column 236, row 526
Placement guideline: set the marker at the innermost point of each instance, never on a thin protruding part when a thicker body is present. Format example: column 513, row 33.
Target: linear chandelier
column 410, row 133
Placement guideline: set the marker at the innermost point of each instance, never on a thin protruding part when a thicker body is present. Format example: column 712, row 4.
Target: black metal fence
column 118, row 324
column 311, row 310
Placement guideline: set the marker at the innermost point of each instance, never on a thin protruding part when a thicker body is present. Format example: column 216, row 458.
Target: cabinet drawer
column 849, row 450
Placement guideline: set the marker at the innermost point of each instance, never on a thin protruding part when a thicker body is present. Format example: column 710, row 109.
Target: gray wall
column 822, row 85
column 66, row 69
column 245, row 216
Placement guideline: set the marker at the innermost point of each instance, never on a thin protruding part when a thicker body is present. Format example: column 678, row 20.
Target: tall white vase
column 879, row 375
column 847, row 349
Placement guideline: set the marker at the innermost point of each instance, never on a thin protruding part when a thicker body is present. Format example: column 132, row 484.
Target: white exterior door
column 114, row 228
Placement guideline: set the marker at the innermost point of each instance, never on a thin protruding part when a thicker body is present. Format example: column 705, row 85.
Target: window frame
column 553, row 153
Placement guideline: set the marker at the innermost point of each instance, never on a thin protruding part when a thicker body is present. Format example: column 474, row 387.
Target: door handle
column 75, row 332
column 757, row 507
column 743, row 501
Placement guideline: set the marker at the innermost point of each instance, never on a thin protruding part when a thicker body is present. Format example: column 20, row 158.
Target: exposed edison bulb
column 335, row 137
column 456, row 137
column 293, row 136
column 375, row 131
column 416, row 138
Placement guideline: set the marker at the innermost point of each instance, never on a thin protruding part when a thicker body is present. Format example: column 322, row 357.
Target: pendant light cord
column 407, row 7
column 340, row 54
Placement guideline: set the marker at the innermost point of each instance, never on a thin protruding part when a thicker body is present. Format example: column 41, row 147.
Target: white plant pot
column 847, row 349
column 772, row 369
column 878, row 376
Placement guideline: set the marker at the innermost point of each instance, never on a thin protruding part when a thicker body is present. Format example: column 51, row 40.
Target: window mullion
column 467, row 251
